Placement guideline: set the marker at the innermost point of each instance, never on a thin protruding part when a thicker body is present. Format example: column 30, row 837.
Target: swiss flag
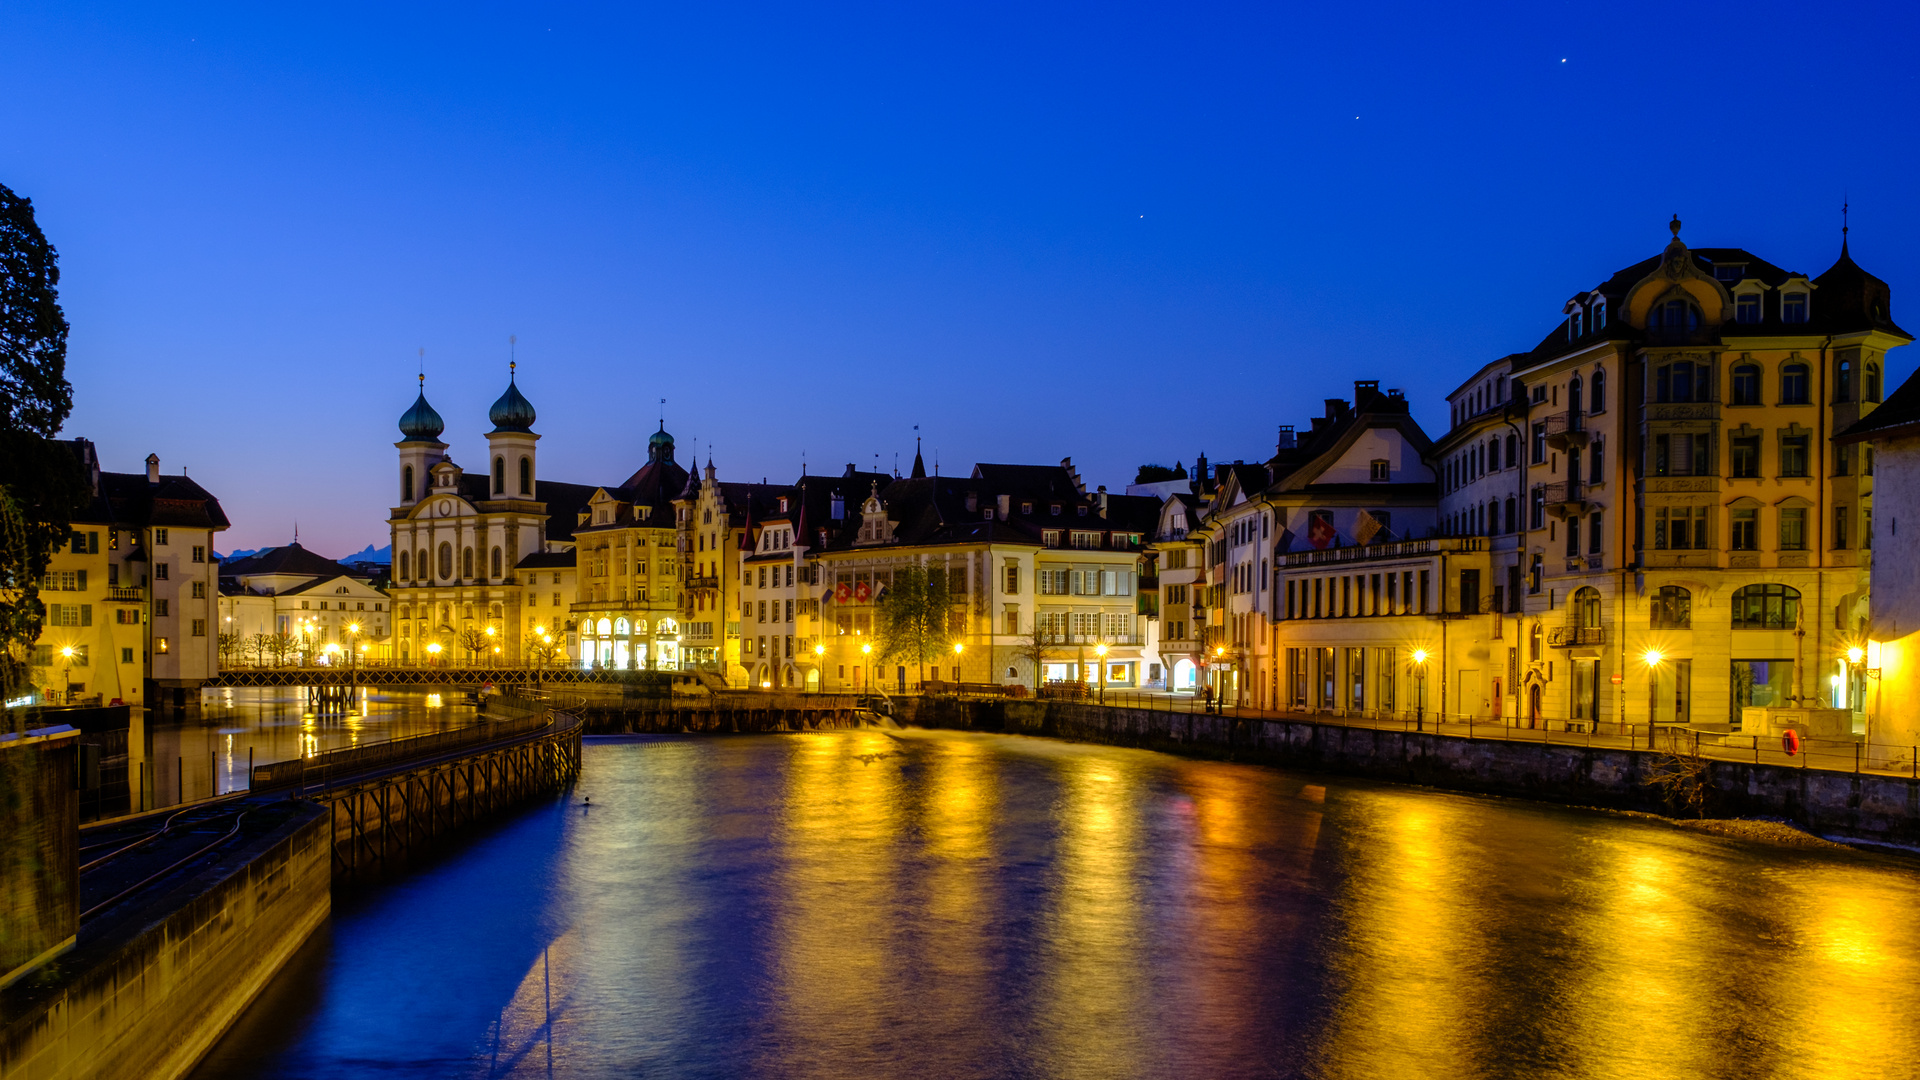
column 842, row 593
column 862, row 593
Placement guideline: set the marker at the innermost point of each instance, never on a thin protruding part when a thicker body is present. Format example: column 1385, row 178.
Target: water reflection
column 172, row 761
column 942, row 905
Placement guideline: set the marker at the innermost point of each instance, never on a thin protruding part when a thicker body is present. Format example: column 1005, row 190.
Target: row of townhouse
column 1648, row 516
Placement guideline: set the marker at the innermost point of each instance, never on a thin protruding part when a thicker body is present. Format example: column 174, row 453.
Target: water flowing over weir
column 917, row 903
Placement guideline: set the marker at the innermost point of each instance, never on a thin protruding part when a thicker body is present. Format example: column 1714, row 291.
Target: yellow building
column 627, row 564
column 1691, row 543
column 131, row 596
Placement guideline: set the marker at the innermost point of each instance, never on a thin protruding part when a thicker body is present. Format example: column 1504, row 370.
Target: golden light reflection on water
column 833, row 936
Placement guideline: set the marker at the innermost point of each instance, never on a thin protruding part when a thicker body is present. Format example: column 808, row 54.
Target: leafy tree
column 41, row 484
column 542, row 651
column 281, row 646
column 914, row 617
column 1153, row 474
column 230, row 646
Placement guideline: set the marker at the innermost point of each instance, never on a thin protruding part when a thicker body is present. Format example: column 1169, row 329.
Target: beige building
column 1693, row 536
column 287, row 603
column 131, row 596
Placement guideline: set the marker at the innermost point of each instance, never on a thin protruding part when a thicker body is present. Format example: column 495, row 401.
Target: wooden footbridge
column 349, row 675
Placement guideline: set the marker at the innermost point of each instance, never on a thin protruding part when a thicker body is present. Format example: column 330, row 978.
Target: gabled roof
column 290, row 559
column 1897, row 417
column 547, row 560
column 327, row 582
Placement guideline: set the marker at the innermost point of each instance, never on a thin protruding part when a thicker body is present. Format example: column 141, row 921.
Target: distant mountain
column 241, row 554
column 371, row 554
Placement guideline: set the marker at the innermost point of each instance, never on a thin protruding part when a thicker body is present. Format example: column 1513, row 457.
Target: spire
column 513, row 412
column 919, row 465
column 1843, row 229
column 420, row 422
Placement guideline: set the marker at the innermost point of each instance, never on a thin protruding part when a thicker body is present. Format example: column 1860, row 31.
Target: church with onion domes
column 504, row 564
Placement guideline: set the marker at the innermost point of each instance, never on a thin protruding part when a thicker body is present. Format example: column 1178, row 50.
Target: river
column 932, row 904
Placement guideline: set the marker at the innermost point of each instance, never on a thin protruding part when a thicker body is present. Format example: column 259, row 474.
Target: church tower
column 510, row 445
column 420, row 447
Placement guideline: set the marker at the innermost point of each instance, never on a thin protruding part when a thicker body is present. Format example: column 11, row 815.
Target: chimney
column 1006, row 507
column 837, row 509
column 1364, row 389
column 1102, row 500
column 153, row 468
column 1286, row 436
column 1336, row 408
column 973, row 501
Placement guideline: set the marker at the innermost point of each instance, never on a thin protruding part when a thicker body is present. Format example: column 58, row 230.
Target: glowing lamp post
column 820, row 665
column 1652, row 658
column 1420, row 692
column 958, row 648
column 1100, row 655
column 494, row 650
column 433, row 652
column 866, row 650
column 66, row 675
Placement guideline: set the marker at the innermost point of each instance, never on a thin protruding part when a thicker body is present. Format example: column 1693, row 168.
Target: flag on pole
column 1366, row 528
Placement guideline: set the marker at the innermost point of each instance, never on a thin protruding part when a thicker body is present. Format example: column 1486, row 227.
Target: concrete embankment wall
column 664, row 715
column 147, row 1002
column 1862, row 807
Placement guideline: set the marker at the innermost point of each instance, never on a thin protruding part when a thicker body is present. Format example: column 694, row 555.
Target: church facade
column 504, row 566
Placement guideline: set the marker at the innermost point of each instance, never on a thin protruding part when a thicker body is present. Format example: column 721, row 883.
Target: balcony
column 1565, row 499
column 1090, row 640
column 708, row 582
column 119, row 594
column 1567, row 430
column 1398, row 550
column 1567, row 637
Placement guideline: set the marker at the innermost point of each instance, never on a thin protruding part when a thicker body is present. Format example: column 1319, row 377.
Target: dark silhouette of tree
column 41, row 484
column 914, row 617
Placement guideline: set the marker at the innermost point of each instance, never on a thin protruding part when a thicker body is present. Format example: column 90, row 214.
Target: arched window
column 1766, row 607
column 466, row 562
column 1873, row 383
column 1597, row 400
column 496, row 562
column 1573, row 395
column 499, row 476
column 1746, row 384
column 1675, row 317
column 1843, row 382
column 1793, row 384
column 606, row 627
column 1513, row 450
column 621, row 627
column 1600, row 315
column 404, row 575
column 1493, row 517
column 1672, row 609
column 640, row 626
column 526, row 476
column 1493, row 454
column 1512, row 510
column 446, row 561
column 1585, row 611
column 406, row 483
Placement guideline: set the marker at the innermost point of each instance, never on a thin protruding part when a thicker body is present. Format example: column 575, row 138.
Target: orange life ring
column 1790, row 741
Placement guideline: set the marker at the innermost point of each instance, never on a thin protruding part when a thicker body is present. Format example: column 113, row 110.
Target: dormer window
column 1746, row 308
column 1599, row 313
column 1793, row 307
column 783, row 504
column 1729, row 272
column 1675, row 316
column 1083, row 511
column 1026, row 508
column 1573, row 326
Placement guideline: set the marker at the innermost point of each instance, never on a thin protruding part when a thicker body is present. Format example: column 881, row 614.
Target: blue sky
column 1120, row 233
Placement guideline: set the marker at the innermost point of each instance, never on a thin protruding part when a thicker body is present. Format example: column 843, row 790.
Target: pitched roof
column 547, row 560
column 1897, row 416
column 291, row 559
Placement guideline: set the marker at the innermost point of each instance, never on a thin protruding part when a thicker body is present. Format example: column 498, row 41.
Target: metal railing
column 330, row 766
column 1396, row 550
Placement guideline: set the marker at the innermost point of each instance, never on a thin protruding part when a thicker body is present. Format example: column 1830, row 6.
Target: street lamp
column 66, row 675
column 1652, row 658
column 866, row 650
column 1420, row 694
column 820, row 666
column 433, row 652
column 353, row 631
column 496, row 648
column 1100, row 652
column 958, row 648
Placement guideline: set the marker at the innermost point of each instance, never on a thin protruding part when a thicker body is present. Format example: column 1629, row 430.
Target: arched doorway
column 1183, row 675
column 1533, row 705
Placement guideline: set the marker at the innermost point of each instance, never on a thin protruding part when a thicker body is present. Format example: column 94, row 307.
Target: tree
column 1153, row 474
column 41, row 483
column 230, row 646
column 913, row 617
column 472, row 638
column 1036, row 649
column 281, row 646
column 542, row 649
